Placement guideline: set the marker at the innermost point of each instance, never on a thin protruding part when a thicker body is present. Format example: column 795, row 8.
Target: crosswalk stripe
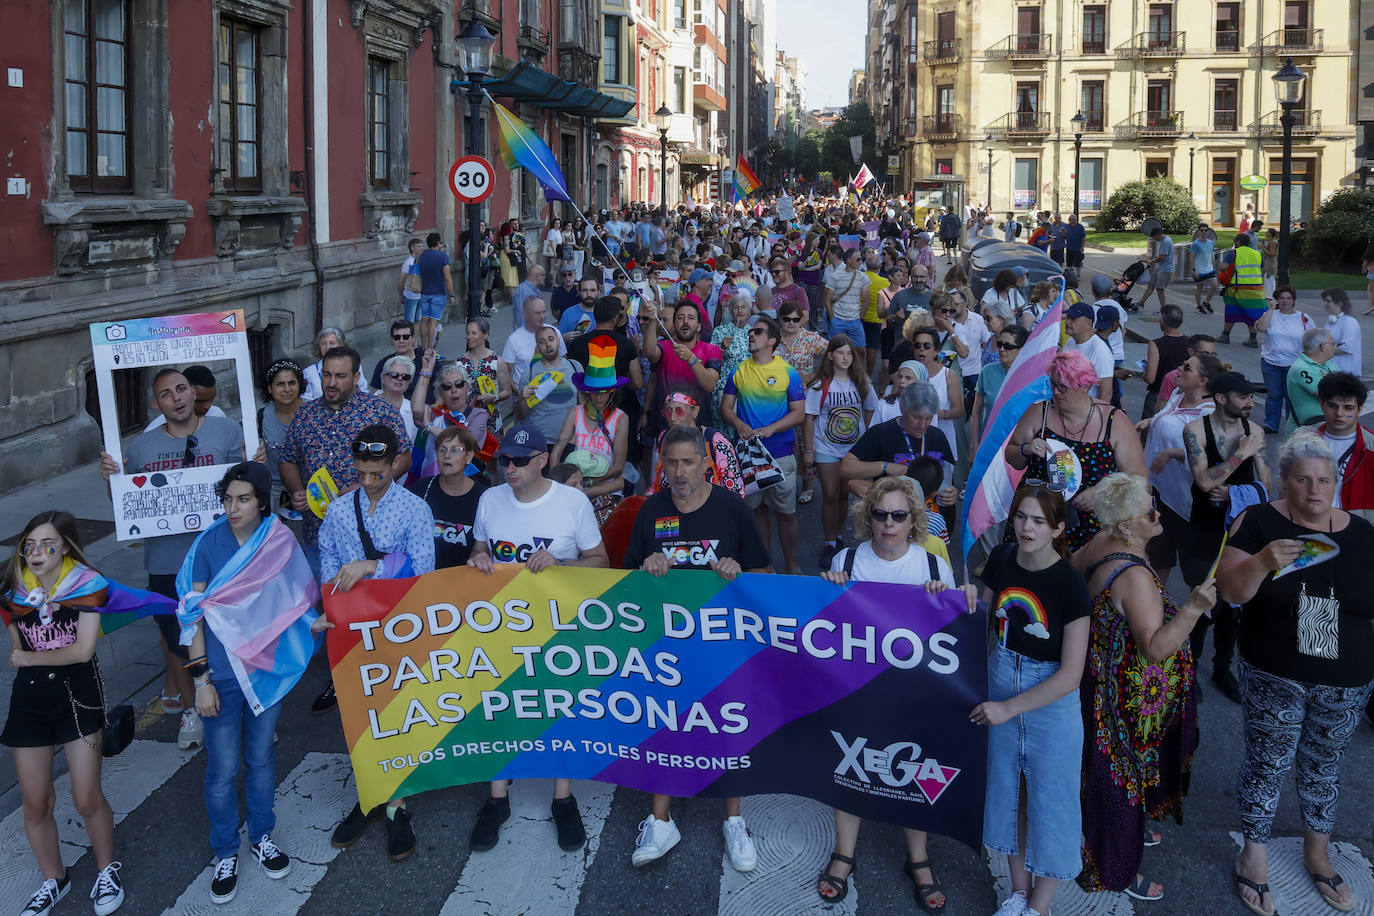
column 310, row 802
column 1293, row 890
column 1069, row 898
column 128, row 780
column 527, row 873
column 793, row 837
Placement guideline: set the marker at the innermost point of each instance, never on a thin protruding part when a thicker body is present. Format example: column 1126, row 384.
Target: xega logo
column 506, row 552
column 694, row 553
column 897, row 765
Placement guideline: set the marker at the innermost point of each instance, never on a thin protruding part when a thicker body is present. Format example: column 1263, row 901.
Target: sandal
column 838, row 887
column 1260, row 889
column 1152, row 838
column 925, row 891
column 1141, row 889
column 805, row 496
column 171, row 705
column 1334, row 882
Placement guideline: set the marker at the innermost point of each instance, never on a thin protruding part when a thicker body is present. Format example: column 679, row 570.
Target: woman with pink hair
column 1099, row 441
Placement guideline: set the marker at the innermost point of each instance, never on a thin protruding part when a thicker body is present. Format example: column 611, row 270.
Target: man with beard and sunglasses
column 539, row 523
column 682, row 357
column 1224, row 450
column 185, row 439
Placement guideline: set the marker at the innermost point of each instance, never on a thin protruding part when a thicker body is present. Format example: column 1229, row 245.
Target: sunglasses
column 369, row 448
column 926, row 345
column 675, row 410
column 1153, row 514
column 42, row 548
column 792, row 319
column 1003, row 345
column 451, row 386
column 520, row 461
column 753, row 331
column 188, row 457
column 777, row 270
column 1036, row 483
column 896, row 515
column 399, row 376
column 401, row 336
column 944, row 311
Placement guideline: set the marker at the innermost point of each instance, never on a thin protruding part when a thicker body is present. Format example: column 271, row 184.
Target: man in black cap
column 534, row 521
column 1081, row 322
column 1224, row 450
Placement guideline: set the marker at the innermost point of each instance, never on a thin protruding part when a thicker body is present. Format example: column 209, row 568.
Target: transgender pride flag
column 1027, row 381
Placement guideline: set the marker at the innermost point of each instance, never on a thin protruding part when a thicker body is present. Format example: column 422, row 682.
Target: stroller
column 1121, row 292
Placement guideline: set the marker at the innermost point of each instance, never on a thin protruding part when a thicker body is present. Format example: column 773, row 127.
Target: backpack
column 1016, row 229
column 849, row 564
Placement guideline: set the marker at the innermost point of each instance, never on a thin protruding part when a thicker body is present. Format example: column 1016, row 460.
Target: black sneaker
column 353, row 826
column 400, row 837
column 52, row 891
column 1225, row 680
column 225, row 883
column 107, row 893
column 494, row 813
column 273, row 861
column 325, row 701
column 571, row 834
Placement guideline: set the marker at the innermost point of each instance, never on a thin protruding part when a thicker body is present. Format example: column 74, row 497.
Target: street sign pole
column 471, row 179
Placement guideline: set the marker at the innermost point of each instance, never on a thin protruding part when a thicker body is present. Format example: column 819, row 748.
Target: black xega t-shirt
column 722, row 527
column 1030, row 609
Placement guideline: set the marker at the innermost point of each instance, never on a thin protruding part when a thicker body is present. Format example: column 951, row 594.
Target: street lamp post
column 475, row 45
column 1288, row 88
column 988, row 145
column 664, row 117
column 1192, row 151
column 1079, row 122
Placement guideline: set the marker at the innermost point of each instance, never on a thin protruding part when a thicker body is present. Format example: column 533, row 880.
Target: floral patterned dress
column 737, row 353
column 486, row 367
column 803, row 353
column 1140, row 730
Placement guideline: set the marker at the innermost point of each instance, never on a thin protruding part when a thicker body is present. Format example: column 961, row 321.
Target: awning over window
column 527, row 83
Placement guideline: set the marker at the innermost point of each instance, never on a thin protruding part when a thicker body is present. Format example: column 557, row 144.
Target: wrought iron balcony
column 1155, row 44
column 1306, row 124
column 577, row 65
column 1021, row 124
column 1225, row 121
column 534, row 42
column 1095, row 122
column 1023, row 48
column 1228, row 41
column 1095, row 44
column 943, row 51
column 1145, row 124
column 1287, row 42
column 486, row 11
column 942, row 126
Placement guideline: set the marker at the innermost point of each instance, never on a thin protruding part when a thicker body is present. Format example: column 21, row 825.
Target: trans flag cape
column 1027, row 381
column 82, row 586
column 259, row 606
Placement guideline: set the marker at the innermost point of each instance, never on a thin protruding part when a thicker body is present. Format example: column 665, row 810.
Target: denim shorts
column 1046, row 745
column 433, row 306
column 412, row 309
column 853, row 329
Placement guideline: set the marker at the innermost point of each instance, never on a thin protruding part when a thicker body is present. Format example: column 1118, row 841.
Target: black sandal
column 1334, row 882
column 837, row 886
column 925, row 891
column 1260, row 889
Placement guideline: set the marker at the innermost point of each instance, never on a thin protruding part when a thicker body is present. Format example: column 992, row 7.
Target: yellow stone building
column 1182, row 89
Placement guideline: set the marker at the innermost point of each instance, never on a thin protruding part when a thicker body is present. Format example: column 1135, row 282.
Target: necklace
column 1076, row 436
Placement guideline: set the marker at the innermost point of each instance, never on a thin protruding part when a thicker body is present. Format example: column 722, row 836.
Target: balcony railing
column 487, row 11
column 942, row 126
column 1023, row 47
column 1306, row 123
column 1293, row 41
column 534, row 41
column 942, row 51
column 1144, row 124
column 1021, row 124
column 1155, row 43
column 1225, row 121
column 1228, row 41
column 577, row 65
column 1095, row 44
column 1096, row 122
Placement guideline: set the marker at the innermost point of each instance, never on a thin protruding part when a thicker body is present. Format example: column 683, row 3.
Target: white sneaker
column 655, row 838
column 108, row 891
column 739, row 845
column 1015, row 905
column 192, row 732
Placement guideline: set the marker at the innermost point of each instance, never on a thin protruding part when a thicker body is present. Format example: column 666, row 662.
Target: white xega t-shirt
column 561, row 521
column 911, row 569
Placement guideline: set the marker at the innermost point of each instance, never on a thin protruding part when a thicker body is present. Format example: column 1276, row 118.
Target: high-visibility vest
column 1248, row 268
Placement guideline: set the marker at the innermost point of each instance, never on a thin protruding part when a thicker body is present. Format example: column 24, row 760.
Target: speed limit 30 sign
column 471, row 179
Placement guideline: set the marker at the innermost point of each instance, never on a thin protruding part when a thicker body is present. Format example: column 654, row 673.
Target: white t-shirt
column 1339, row 446
column 160, row 419
column 840, row 420
column 911, row 569
column 1345, row 329
column 561, row 521
column 886, row 410
column 974, row 333
column 406, row 267
column 1097, row 352
column 1116, row 339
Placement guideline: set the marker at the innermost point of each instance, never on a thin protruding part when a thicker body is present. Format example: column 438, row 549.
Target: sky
column 828, row 36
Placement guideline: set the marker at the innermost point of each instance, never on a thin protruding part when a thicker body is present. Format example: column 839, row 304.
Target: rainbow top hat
column 600, row 374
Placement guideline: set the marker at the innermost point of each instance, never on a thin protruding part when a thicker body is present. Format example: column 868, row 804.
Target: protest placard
column 172, row 500
column 856, row 696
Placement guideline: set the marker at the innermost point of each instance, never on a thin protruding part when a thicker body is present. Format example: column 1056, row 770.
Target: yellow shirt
column 876, row 285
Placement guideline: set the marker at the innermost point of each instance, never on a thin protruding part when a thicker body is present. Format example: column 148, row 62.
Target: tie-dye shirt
column 763, row 395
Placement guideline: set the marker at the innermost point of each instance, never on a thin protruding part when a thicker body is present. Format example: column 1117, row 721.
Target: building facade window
column 1156, row 168
column 944, row 33
column 610, row 51
column 679, row 14
column 1297, row 22
column 680, row 90
column 1228, row 27
column 1095, row 29
column 1225, row 105
column 1161, row 25
column 97, row 77
column 1025, row 181
column 1224, row 191
column 379, row 122
column 240, row 127
column 944, row 108
column 1159, row 97
column 1093, row 100
column 1028, row 28
column 1090, row 184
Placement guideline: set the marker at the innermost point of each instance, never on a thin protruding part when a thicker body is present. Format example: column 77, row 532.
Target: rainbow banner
column 746, row 182
column 856, row 696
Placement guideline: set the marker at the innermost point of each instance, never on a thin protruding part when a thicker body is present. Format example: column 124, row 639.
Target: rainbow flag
column 522, row 148
column 685, row 684
column 1027, row 381
column 746, row 182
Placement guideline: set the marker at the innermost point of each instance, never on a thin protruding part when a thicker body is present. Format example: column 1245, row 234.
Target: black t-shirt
column 1030, row 609
column 722, row 527
column 453, row 518
column 59, row 633
column 1270, row 622
column 887, row 440
column 625, row 350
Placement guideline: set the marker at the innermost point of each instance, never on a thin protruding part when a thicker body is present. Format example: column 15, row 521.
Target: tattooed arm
column 1210, row 477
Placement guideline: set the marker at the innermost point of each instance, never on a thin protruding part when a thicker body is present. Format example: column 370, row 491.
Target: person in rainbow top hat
column 597, row 427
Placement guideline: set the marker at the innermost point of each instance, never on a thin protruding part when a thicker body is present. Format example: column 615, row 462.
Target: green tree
column 1340, row 229
column 836, row 156
column 1134, row 202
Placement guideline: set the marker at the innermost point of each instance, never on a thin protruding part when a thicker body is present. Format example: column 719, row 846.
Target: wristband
column 426, row 374
column 199, row 669
column 693, row 364
column 195, row 661
column 1021, row 449
column 884, row 473
column 205, row 683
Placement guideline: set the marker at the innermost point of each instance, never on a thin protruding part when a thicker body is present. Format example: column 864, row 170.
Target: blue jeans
column 1276, row 398
column 854, row 330
column 237, row 736
column 1046, row 746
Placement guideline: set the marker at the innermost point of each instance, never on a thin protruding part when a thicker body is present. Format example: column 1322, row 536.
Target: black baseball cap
column 1228, row 382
